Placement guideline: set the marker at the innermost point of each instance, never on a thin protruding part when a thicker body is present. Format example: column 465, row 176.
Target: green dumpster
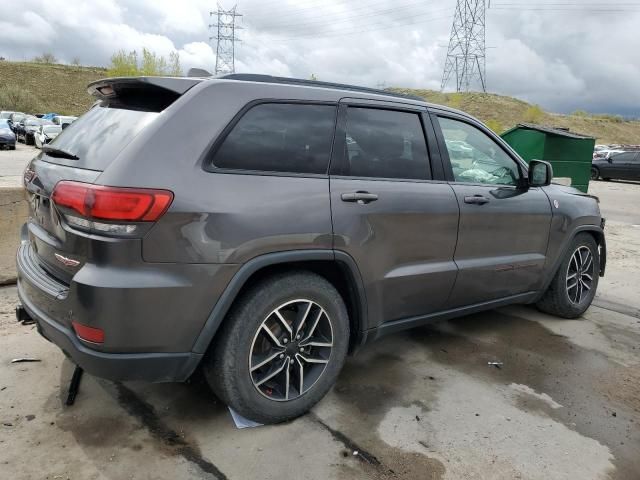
column 569, row 153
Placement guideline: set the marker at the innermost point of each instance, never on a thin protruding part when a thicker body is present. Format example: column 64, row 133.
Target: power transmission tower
column 225, row 35
column 466, row 55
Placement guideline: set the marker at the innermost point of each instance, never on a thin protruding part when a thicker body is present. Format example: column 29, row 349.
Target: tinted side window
column 385, row 144
column 475, row 157
column 280, row 137
column 623, row 157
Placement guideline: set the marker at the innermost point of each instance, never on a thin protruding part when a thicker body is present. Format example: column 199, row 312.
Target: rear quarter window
column 279, row 137
column 98, row 136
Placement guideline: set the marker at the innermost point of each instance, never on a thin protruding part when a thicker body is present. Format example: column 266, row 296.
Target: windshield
column 4, row 115
column 51, row 129
column 98, row 136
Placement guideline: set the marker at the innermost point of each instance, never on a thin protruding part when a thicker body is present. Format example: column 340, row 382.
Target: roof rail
column 256, row 77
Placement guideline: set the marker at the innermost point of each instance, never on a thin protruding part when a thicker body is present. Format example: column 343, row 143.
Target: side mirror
column 540, row 173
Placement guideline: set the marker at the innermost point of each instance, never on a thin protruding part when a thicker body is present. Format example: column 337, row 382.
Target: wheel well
column 602, row 249
column 335, row 272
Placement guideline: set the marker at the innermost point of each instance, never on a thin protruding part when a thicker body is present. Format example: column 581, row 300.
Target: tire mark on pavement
column 146, row 414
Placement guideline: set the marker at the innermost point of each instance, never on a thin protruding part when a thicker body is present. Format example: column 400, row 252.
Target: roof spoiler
column 141, row 93
column 109, row 87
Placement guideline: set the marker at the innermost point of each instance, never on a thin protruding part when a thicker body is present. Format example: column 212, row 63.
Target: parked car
column 28, row 128
column 64, row 120
column 49, row 116
column 5, row 114
column 7, row 137
column 277, row 250
column 618, row 165
column 45, row 134
column 14, row 121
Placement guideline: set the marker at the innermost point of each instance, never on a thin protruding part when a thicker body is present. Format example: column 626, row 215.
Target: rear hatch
column 62, row 237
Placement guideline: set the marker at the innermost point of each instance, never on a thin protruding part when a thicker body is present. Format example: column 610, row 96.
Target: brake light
column 89, row 334
column 112, row 203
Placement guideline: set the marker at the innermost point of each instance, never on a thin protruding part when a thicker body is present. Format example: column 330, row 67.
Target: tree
column 175, row 69
column 125, row 64
column 46, row 57
column 75, row 62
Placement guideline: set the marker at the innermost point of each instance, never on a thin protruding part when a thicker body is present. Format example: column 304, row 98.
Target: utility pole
column 466, row 55
column 225, row 35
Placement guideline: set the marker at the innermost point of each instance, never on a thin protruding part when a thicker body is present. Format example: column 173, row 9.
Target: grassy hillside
column 502, row 113
column 55, row 88
column 62, row 89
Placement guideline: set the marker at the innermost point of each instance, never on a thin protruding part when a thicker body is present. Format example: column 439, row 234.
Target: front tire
column 574, row 285
column 595, row 173
column 281, row 347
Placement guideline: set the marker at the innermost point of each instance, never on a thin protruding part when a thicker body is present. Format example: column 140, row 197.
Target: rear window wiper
column 57, row 152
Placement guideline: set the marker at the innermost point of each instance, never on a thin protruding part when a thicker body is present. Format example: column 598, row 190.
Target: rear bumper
column 149, row 326
column 153, row 367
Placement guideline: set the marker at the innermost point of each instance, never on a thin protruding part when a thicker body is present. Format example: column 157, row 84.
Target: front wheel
column 595, row 173
column 281, row 347
column 574, row 285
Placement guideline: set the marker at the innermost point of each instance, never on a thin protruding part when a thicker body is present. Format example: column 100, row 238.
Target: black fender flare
column 600, row 238
column 222, row 306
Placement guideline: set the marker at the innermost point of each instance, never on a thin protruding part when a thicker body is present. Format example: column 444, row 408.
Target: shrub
column 454, row 100
column 580, row 113
column 495, row 125
column 533, row 114
column 13, row 97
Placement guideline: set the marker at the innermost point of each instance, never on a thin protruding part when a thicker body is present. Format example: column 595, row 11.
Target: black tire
column 227, row 364
column 556, row 300
column 595, row 173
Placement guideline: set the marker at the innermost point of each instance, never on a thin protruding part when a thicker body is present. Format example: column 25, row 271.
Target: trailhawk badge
column 69, row 262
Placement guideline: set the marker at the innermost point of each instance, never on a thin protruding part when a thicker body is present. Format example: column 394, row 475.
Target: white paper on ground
column 242, row 422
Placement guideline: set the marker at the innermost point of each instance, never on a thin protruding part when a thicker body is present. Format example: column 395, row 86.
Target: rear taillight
column 84, row 205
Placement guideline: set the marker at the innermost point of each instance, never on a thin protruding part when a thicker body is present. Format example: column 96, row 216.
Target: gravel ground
column 420, row 404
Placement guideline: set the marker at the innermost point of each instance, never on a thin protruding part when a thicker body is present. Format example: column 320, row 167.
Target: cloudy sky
column 561, row 54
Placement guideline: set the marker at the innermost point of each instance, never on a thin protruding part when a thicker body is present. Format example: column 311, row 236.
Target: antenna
column 225, row 35
column 466, row 55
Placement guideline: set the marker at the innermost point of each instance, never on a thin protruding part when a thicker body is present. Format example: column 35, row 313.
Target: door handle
column 359, row 197
column 476, row 200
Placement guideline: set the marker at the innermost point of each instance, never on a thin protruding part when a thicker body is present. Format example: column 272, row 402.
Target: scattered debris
column 498, row 365
column 417, row 418
column 25, row 359
column 423, row 444
column 355, row 453
column 7, row 424
column 614, row 414
column 30, row 417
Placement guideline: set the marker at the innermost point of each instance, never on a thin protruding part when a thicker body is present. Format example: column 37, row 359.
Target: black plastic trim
column 227, row 298
column 153, row 367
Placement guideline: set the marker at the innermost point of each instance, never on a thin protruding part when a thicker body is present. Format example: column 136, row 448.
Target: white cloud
column 561, row 60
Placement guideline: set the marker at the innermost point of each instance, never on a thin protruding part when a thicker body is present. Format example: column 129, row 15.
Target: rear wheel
column 281, row 347
column 573, row 287
column 595, row 173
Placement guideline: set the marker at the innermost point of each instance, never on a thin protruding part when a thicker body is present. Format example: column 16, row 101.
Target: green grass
column 55, row 88
column 63, row 89
column 507, row 112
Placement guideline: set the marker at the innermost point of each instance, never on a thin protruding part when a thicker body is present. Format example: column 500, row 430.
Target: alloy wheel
column 290, row 350
column 580, row 275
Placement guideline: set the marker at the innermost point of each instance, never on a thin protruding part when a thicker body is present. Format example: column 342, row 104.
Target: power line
column 334, row 18
column 225, row 39
column 466, row 55
column 356, row 32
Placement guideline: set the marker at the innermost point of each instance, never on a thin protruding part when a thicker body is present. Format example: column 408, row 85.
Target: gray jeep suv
column 265, row 227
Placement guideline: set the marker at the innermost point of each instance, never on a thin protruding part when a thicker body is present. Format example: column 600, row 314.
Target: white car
column 62, row 120
column 45, row 134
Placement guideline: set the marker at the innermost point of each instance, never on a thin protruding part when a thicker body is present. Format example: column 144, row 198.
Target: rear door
column 631, row 166
column 504, row 228
column 388, row 213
